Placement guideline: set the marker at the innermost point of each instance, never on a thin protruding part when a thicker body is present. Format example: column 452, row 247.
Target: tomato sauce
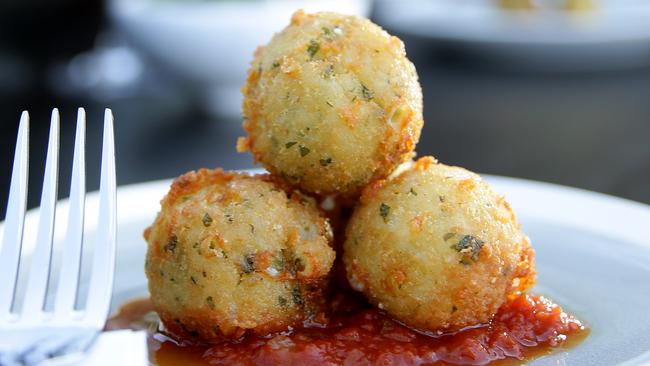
column 525, row 327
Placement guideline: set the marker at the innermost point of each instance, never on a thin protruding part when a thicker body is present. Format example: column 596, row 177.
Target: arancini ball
column 230, row 254
column 436, row 249
column 331, row 104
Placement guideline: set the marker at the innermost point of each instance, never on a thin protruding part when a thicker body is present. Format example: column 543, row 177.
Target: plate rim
column 575, row 205
column 572, row 208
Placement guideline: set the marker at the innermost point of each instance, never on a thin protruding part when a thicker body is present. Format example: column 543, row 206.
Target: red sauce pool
column 525, row 327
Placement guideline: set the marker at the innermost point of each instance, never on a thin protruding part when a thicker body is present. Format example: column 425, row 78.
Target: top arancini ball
column 331, row 104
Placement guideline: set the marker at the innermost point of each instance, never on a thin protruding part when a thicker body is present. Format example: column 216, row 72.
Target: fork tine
column 101, row 280
column 13, row 235
column 66, row 290
column 39, row 269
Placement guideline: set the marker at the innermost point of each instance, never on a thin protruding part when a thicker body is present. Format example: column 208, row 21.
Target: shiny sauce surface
column 525, row 327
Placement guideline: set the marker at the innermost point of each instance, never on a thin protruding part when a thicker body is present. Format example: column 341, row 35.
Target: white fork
column 34, row 335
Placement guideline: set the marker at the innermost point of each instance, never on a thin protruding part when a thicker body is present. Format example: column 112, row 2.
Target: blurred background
column 556, row 90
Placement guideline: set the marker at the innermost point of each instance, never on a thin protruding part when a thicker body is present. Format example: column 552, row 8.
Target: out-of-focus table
column 585, row 130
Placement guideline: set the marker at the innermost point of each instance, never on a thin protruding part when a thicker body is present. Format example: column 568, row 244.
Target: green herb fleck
column 329, row 72
column 279, row 261
column 193, row 280
column 441, row 198
column 171, row 245
column 248, row 264
column 470, row 248
column 252, row 228
column 448, row 236
column 329, row 103
column 207, row 220
column 325, row 162
column 229, row 218
column 210, row 301
column 327, row 31
column 296, row 294
column 366, row 93
column 275, row 64
column 413, row 192
column 304, row 151
column 289, row 144
column 384, row 210
column 296, row 266
column 282, row 301
column 313, row 48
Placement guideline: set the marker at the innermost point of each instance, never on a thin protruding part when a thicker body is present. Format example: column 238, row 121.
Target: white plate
column 615, row 34
column 593, row 258
column 211, row 43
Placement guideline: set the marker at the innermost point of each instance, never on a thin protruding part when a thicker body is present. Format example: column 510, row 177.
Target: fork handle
column 46, row 346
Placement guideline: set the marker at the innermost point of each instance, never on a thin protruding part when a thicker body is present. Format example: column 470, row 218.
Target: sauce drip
column 525, row 327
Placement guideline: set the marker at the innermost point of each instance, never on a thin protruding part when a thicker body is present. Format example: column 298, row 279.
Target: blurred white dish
column 614, row 34
column 592, row 255
column 211, row 43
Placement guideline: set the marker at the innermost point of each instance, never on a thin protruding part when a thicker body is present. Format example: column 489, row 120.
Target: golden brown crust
column 194, row 180
column 436, row 248
column 331, row 104
column 208, row 325
column 231, row 253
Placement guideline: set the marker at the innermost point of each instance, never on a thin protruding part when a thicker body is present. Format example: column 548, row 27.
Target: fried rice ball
column 230, row 254
column 436, row 248
column 331, row 104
